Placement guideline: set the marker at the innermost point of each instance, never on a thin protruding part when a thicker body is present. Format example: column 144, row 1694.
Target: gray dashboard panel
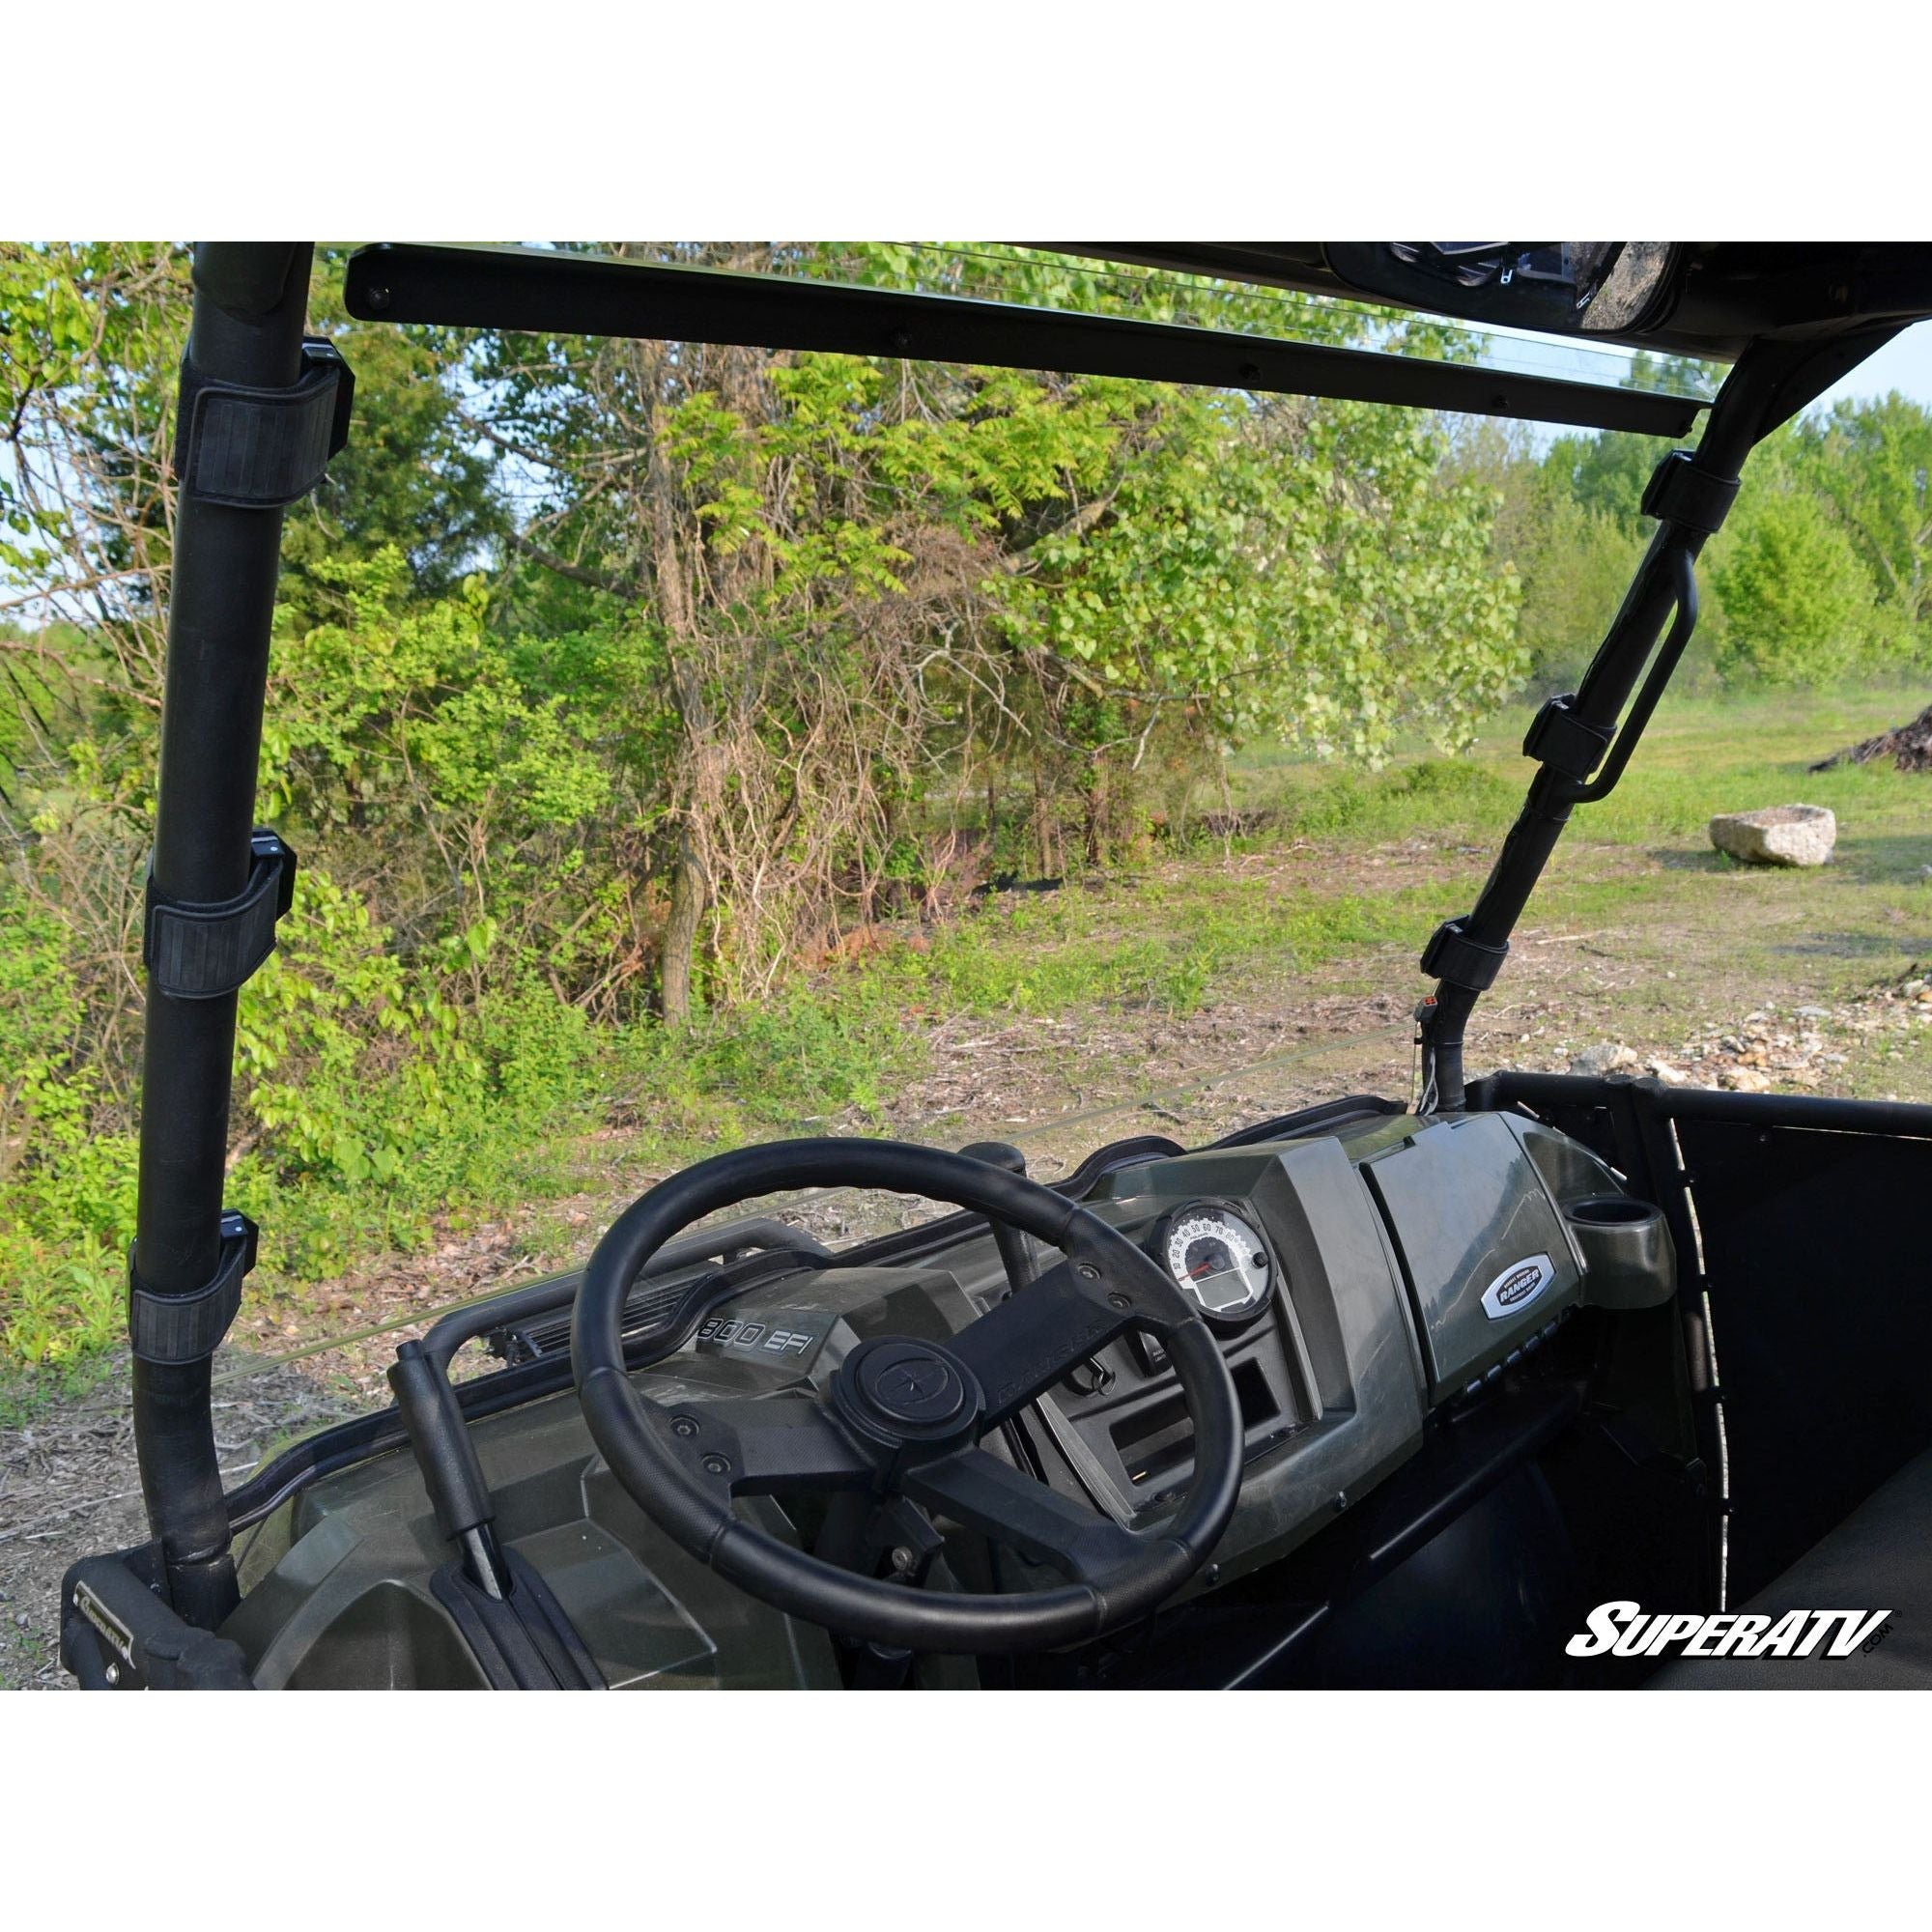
column 1486, row 1255
column 1344, row 1308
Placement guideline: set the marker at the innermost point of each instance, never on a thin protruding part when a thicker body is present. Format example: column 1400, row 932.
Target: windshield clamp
column 1569, row 744
column 1452, row 955
column 1681, row 492
column 263, row 450
column 199, row 951
column 189, row 1327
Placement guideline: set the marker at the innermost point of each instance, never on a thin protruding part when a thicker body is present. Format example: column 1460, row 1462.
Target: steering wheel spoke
column 1026, row 1343
column 977, row 1490
column 769, row 1447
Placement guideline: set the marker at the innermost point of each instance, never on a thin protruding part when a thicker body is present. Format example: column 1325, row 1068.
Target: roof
column 1715, row 298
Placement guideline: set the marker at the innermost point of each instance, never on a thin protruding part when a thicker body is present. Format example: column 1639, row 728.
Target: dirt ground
column 1056, row 1086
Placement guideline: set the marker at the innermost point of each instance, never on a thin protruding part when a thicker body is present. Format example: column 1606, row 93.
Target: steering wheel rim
column 682, row 1465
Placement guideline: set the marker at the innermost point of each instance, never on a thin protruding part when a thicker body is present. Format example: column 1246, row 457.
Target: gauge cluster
column 1221, row 1260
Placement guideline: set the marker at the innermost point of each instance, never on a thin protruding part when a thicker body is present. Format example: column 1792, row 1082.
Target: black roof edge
column 546, row 293
column 1723, row 295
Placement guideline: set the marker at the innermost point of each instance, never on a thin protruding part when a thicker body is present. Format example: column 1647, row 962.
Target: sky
column 1904, row 364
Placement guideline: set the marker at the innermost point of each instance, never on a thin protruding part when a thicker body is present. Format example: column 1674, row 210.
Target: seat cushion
column 1879, row 1558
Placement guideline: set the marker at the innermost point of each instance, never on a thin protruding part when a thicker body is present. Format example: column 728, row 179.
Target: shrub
column 66, row 1192
column 1799, row 605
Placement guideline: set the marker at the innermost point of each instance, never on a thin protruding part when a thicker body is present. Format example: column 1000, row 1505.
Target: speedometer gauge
column 1221, row 1261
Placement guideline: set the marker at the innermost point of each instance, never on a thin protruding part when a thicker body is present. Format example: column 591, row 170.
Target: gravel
column 68, row 1487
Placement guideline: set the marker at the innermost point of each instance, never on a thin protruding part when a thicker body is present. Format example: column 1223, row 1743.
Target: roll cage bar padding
column 264, row 408
column 1580, row 743
column 544, row 292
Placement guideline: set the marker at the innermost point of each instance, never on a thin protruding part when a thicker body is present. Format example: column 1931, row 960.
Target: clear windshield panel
column 1039, row 279
column 457, row 1071
column 341, row 1371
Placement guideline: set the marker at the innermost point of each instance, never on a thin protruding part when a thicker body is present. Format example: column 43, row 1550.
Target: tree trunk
column 680, row 933
column 669, row 548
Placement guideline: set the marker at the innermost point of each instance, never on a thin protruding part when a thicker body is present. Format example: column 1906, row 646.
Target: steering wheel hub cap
column 906, row 1391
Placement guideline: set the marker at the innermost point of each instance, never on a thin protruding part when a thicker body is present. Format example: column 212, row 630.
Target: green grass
column 27, row 1392
column 1167, row 943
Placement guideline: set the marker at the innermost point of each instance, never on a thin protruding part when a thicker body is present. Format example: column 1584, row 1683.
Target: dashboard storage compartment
column 1487, row 1258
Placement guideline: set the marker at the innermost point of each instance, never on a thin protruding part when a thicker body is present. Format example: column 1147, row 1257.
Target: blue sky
column 1904, row 364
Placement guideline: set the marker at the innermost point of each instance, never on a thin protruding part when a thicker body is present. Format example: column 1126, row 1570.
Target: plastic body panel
column 348, row 1601
column 1488, row 1259
column 1346, row 1341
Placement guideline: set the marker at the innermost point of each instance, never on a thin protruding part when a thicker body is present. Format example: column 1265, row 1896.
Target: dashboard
column 1358, row 1280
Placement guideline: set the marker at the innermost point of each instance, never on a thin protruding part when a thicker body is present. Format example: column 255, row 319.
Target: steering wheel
column 904, row 1417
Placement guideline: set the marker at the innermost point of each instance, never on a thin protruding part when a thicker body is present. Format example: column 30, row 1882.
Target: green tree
column 1871, row 461
column 414, row 478
column 854, row 567
column 1797, row 600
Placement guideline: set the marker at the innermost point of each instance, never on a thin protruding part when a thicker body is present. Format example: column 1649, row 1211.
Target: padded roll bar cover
column 629, row 1430
column 248, row 279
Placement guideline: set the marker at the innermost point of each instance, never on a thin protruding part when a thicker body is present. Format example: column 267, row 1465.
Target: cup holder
column 1629, row 1261
column 1610, row 1211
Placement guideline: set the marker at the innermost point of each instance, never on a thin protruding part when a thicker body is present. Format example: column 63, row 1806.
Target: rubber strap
column 189, row 1327
column 263, row 450
column 1562, row 740
column 1452, row 955
column 1681, row 493
column 199, row 951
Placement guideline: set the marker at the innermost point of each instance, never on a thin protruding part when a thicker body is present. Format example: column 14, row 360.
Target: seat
column 1880, row 1558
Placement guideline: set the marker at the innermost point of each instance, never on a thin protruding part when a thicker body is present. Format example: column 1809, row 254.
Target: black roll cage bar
column 542, row 292
column 264, row 408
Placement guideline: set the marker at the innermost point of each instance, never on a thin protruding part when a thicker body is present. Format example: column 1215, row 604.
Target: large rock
column 1609, row 1057
column 1778, row 834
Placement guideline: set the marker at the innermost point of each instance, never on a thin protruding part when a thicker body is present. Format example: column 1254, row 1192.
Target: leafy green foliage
column 602, row 668
column 1798, row 602
column 67, row 1198
column 1872, row 463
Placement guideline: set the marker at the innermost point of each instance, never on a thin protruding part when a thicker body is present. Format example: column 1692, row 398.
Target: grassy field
column 1339, row 867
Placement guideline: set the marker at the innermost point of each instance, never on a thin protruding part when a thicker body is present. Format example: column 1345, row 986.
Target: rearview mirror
column 1597, row 288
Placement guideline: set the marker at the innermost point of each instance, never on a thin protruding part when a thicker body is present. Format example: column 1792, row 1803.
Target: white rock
column 1778, row 834
column 1662, row 1069
column 1608, row 1058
